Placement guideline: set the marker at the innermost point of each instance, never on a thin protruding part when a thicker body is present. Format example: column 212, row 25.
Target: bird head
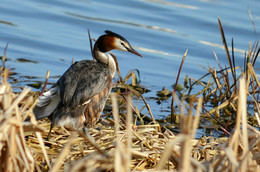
column 112, row 40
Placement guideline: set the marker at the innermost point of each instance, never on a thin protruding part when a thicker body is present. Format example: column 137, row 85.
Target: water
column 53, row 32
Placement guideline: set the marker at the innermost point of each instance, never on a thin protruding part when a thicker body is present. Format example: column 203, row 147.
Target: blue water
column 52, row 32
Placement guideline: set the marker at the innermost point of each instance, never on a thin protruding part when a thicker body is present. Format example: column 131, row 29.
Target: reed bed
column 126, row 141
column 122, row 144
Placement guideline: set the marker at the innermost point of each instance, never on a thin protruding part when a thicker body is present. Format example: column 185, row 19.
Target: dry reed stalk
column 129, row 120
column 196, row 118
column 176, row 83
column 119, row 156
column 132, row 74
column 14, row 155
column 257, row 117
column 168, row 151
column 2, row 68
column 251, row 18
column 226, row 48
column 134, row 109
column 41, row 142
column 45, row 83
column 252, row 72
column 146, row 104
column 243, row 113
column 188, row 128
column 64, row 152
column 237, row 155
column 91, row 45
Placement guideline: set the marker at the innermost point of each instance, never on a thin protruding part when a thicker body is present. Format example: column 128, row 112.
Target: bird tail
column 47, row 103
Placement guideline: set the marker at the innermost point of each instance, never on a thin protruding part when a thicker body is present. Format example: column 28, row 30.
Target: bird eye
column 122, row 44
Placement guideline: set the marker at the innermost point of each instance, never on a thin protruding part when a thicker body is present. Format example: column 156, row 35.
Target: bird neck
column 105, row 58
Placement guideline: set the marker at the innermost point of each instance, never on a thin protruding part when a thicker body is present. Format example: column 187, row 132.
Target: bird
column 78, row 98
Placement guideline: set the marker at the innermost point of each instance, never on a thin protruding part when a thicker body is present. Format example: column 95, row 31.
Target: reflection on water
column 50, row 33
column 173, row 4
column 125, row 23
column 221, row 46
column 155, row 51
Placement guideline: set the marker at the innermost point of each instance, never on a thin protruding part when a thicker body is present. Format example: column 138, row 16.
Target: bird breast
column 107, row 59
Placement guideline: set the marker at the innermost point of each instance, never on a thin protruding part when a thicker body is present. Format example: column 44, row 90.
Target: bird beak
column 131, row 50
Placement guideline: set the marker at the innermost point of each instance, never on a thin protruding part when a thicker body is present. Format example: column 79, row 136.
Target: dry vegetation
column 127, row 143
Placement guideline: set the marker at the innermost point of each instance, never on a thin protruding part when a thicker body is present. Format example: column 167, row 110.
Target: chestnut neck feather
column 103, row 45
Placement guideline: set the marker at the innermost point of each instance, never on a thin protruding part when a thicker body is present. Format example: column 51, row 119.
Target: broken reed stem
column 234, row 65
column 226, row 49
column 46, row 82
column 255, row 57
column 129, row 119
column 243, row 113
column 146, row 104
column 176, row 83
column 122, row 153
column 169, row 151
column 14, row 154
column 115, row 114
column 21, row 139
column 64, row 152
column 118, row 158
column 91, row 45
column 197, row 118
column 39, row 137
column 188, row 129
column 136, row 111
column 4, row 59
column 252, row 72
column 185, row 153
column 17, row 101
column 252, row 20
column 257, row 117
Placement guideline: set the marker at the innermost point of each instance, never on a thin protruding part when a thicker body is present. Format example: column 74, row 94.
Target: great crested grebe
column 79, row 96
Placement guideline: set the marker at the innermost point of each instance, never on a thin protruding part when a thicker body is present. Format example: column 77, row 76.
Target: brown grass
column 125, row 146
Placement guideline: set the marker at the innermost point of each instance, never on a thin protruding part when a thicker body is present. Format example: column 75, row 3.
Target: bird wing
column 47, row 103
column 82, row 81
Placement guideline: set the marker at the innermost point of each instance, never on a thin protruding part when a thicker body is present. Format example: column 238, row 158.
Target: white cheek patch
column 119, row 45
